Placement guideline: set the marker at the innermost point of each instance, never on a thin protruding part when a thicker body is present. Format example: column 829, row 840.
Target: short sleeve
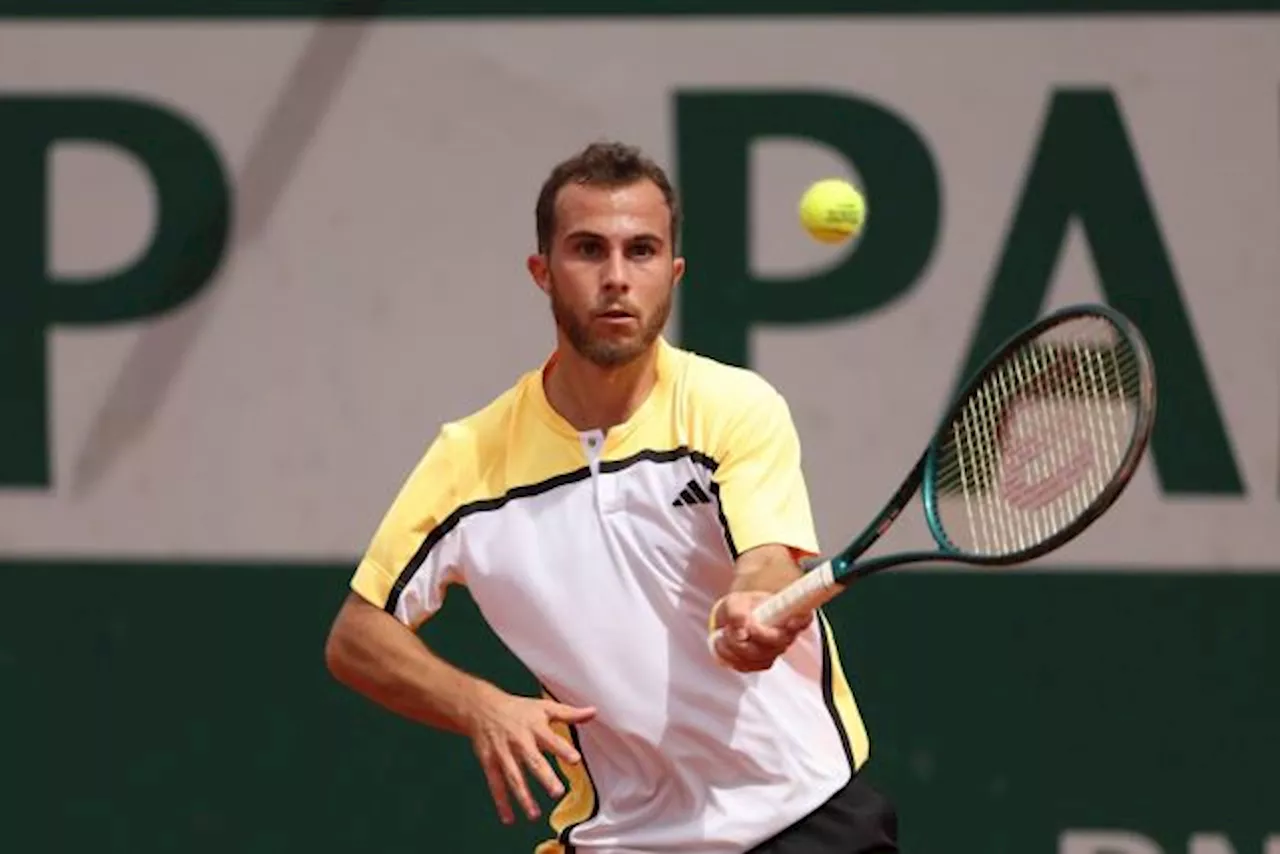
column 762, row 488
column 414, row 554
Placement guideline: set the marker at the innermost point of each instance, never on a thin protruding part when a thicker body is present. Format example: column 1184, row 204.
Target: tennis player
column 606, row 512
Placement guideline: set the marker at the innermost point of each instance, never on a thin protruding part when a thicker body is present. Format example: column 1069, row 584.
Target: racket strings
column 1039, row 440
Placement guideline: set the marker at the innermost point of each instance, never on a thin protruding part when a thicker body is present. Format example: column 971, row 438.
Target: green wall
column 154, row 708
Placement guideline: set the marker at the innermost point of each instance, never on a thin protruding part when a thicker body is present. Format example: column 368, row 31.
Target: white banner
column 384, row 176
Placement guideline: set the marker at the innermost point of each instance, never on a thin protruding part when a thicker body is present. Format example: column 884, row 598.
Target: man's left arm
column 766, row 568
column 765, row 504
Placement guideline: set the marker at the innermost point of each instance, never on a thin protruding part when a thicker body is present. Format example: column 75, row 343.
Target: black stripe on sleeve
column 442, row 530
column 439, row 532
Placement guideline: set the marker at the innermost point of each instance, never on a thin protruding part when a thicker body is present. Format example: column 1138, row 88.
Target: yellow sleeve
column 763, row 493
column 414, row 554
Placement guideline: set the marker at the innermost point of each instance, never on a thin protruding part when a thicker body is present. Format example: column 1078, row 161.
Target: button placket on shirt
column 604, row 488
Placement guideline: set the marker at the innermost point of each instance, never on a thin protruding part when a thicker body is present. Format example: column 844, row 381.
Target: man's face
column 610, row 269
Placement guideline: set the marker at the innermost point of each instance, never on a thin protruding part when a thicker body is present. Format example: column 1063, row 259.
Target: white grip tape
column 811, row 590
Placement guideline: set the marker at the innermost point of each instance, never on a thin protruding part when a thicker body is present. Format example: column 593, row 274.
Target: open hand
column 746, row 644
column 509, row 732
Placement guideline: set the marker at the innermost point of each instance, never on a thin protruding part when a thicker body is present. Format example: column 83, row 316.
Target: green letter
column 193, row 203
column 720, row 299
column 1085, row 167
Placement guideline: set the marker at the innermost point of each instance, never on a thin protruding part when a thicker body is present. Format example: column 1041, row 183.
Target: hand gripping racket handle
column 811, row 590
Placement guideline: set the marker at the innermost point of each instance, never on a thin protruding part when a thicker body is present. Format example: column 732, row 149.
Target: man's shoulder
column 490, row 422
column 713, row 382
column 457, row 465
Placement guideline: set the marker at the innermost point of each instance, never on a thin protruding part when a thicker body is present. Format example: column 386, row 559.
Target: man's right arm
column 376, row 655
column 400, row 581
column 373, row 646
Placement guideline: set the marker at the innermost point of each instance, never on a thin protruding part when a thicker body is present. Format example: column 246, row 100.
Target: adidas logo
column 690, row 495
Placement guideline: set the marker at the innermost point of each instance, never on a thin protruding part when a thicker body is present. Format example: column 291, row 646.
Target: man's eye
column 643, row 250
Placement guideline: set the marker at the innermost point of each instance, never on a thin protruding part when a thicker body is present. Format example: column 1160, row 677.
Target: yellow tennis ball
column 832, row 210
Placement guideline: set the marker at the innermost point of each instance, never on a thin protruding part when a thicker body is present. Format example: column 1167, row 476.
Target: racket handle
column 811, row 590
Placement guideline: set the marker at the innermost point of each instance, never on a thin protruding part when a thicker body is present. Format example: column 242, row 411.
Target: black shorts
column 855, row 820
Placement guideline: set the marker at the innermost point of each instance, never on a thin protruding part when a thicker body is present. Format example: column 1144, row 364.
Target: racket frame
column 828, row 578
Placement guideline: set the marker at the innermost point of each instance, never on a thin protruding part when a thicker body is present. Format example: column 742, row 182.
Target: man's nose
column 613, row 275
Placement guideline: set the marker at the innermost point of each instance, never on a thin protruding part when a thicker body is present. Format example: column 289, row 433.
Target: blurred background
column 255, row 253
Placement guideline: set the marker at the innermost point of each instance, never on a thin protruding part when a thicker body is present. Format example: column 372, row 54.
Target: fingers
column 569, row 714
column 739, row 621
column 504, row 759
column 503, row 775
column 749, row 646
column 799, row 623
column 515, row 780
column 493, row 776
column 746, row 656
column 740, row 656
column 735, row 616
column 767, row 638
column 549, row 740
column 537, row 763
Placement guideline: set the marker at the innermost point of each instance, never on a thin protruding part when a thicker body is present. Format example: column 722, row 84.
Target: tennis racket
column 1038, row 444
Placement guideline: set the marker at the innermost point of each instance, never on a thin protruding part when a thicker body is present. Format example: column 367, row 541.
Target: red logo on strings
column 1040, row 465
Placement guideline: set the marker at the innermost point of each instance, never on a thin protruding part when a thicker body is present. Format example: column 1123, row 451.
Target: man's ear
column 539, row 272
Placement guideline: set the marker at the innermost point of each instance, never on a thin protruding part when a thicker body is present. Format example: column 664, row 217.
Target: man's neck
column 594, row 398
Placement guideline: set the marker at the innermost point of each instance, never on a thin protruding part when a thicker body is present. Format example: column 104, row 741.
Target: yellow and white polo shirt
column 596, row 557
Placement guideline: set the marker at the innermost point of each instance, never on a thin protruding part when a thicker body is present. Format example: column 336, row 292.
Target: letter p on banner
column 193, row 203
column 722, row 300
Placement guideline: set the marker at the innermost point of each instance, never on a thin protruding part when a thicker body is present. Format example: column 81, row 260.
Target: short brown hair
column 601, row 164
